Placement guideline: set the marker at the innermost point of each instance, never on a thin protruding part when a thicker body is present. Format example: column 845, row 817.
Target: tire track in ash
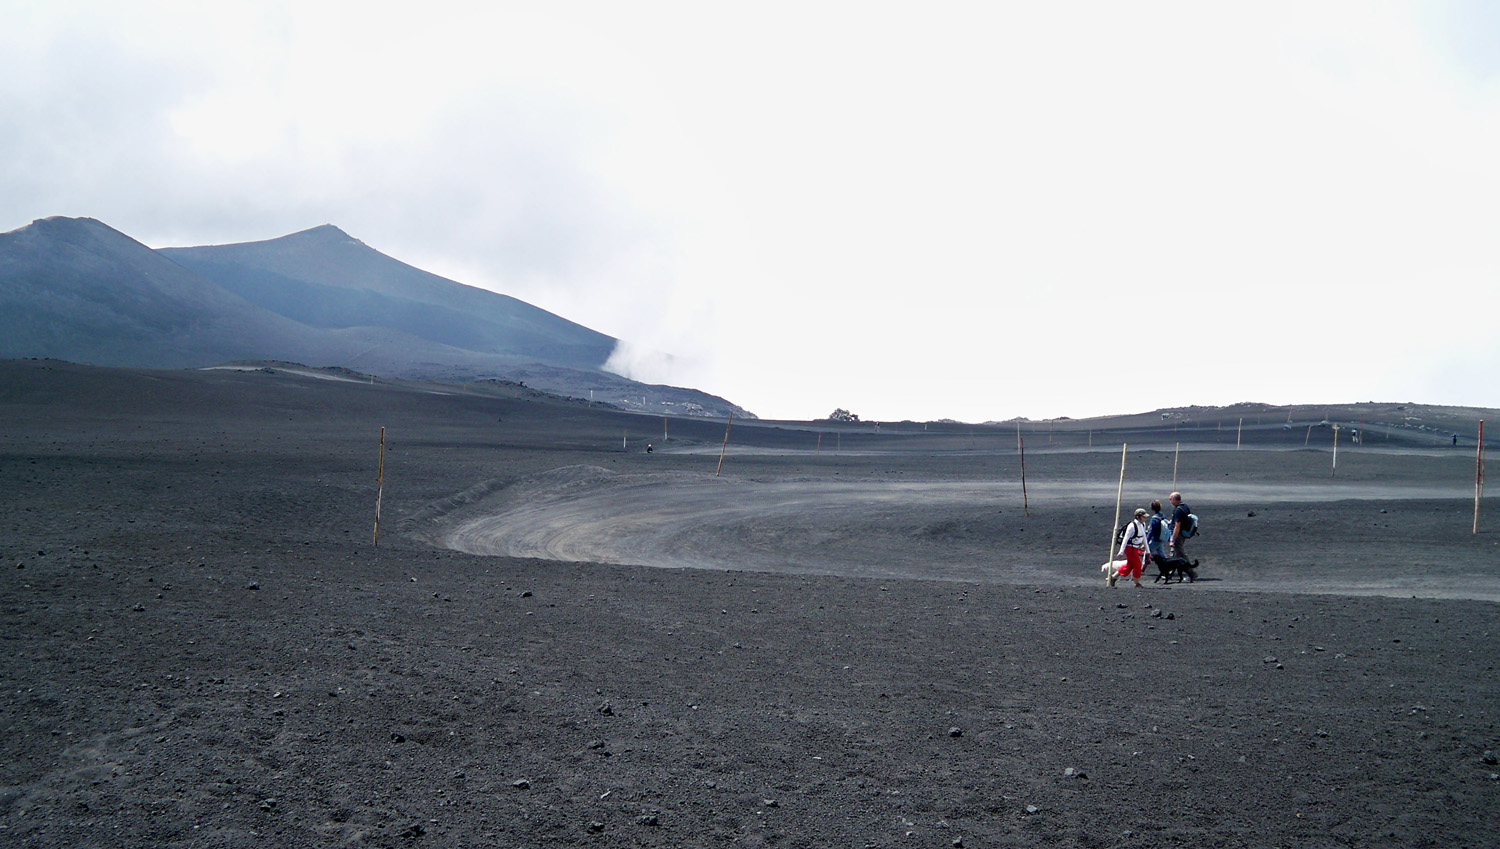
column 799, row 526
column 696, row 521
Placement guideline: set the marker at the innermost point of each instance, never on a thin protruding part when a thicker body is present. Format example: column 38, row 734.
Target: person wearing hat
column 1133, row 548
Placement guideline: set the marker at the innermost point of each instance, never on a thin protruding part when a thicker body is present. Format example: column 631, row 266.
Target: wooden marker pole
column 1119, row 495
column 1335, row 450
column 1175, row 452
column 1308, row 437
column 725, row 446
column 819, row 449
column 663, row 430
column 379, row 487
column 1478, row 474
column 625, row 440
column 1018, row 436
column 1237, row 431
column 1025, row 502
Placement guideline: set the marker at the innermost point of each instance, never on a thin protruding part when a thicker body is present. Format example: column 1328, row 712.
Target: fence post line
column 725, row 446
column 1025, row 502
column 1478, row 474
column 1119, row 495
column 379, row 487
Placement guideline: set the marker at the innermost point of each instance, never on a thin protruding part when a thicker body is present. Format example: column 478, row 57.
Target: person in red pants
column 1133, row 547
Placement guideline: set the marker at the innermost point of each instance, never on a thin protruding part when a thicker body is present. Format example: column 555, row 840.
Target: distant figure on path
column 1455, row 440
column 1133, row 547
column 1156, row 543
column 1181, row 524
column 649, row 449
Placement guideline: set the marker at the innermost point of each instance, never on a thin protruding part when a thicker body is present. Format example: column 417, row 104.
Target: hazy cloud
column 972, row 210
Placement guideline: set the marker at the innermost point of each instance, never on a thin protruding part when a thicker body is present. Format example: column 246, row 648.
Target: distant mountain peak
column 55, row 219
column 323, row 234
column 79, row 232
column 63, row 223
column 77, row 289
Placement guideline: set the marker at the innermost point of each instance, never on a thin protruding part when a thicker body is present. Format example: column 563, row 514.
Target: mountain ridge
column 335, row 274
column 79, row 290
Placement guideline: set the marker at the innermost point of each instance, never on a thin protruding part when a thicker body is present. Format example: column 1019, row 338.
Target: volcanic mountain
column 325, row 278
column 76, row 289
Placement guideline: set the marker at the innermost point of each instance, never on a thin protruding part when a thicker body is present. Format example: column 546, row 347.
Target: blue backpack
column 1190, row 527
column 1153, row 529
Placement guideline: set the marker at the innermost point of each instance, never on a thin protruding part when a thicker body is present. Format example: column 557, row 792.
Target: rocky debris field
column 203, row 648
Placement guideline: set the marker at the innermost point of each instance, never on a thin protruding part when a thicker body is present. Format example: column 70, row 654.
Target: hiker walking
column 1183, row 524
column 1133, row 548
column 1156, row 537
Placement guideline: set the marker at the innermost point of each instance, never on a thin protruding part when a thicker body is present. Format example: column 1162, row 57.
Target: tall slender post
column 663, row 430
column 1237, row 431
column 1478, row 474
column 1335, row 450
column 1025, row 502
column 725, row 446
column 1175, row 452
column 1018, row 435
column 1308, row 437
column 379, row 487
column 819, row 449
column 1119, row 495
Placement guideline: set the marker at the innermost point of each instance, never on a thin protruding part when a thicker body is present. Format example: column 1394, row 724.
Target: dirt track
column 686, row 520
column 203, row 649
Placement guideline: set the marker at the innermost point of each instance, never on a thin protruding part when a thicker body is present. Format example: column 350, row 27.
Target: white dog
column 1112, row 571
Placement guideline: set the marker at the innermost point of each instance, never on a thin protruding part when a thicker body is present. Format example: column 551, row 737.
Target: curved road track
column 879, row 529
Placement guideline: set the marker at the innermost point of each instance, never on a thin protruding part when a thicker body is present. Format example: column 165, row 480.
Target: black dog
column 1178, row 566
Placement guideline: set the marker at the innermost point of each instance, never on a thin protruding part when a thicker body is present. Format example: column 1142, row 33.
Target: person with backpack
column 1184, row 524
column 1156, row 543
column 1133, row 548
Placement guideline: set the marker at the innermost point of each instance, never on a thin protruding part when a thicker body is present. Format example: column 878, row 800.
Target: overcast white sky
column 909, row 210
